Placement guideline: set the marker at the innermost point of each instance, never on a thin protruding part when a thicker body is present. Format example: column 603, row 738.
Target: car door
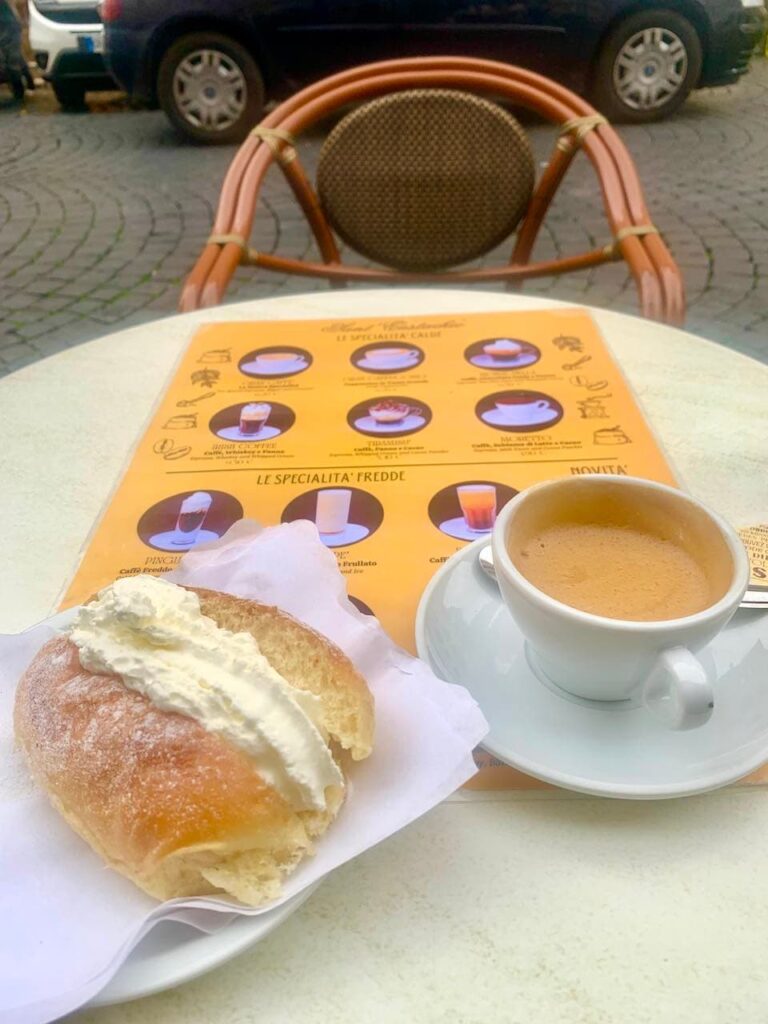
column 310, row 38
column 527, row 32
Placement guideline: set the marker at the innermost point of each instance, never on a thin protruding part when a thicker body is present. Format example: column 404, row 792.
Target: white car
column 67, row 38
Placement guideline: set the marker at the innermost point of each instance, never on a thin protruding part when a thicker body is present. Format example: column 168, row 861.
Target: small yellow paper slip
column 756, row 542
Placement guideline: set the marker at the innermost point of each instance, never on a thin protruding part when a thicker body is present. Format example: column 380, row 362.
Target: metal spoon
column 485, row 558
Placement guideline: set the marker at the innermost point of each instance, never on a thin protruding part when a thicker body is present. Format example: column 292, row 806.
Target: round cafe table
column 543, row 907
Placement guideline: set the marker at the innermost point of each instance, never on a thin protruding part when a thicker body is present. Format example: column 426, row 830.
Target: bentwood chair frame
column 633, row 237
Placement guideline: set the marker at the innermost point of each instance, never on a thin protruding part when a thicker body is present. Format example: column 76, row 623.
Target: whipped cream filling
column 152, row 634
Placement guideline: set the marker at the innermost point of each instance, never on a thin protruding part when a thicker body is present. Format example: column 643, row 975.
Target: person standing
column 13, row 67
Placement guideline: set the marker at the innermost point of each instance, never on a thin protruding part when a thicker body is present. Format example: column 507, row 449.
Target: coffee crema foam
column 615, row 571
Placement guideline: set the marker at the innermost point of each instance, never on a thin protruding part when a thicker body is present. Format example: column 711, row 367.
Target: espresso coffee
column 621, row 562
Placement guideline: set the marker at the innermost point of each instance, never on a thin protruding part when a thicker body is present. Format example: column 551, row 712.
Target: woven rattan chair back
column 431, row 174
column 426, row 179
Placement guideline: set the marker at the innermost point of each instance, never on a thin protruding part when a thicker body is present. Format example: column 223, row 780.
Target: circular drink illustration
column 468, row 510
column 252, row 421
column 275, row 361
column 502, row 354
column 343, row 515
column 519, row 411
column 389, row 416
column 387, row 357
column 183, row 520
column 361, row 605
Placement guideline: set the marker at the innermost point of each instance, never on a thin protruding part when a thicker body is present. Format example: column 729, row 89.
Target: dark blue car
column 212, row 66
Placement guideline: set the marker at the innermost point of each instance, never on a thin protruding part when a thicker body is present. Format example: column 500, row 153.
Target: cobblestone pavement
column 102, row 215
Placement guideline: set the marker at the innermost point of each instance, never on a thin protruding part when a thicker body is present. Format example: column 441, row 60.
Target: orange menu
column 400, row 438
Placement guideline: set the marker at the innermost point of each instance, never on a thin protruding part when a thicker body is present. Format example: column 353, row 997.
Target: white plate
column 489, row 363
column 165, row 541
column 275, row 369
column 173, row 953
column 370, row 425
column 466, row 634
column 399, row 364
column 350, row 535
column 233, row 434
column 497, row 418
column 458, row 528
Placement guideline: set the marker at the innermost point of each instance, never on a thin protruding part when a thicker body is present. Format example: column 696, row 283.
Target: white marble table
column 526, row 907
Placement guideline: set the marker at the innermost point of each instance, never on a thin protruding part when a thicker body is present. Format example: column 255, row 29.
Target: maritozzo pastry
column 198, row 741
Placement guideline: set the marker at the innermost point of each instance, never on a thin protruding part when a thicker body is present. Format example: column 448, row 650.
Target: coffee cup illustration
column 275, row 362
column 610, row 436
column 502, row 354
column 271, row 361
column 519, row 410
column 503, row 348
column 253, row 417
column 389, row 415
column 388, row 411
column 386, row 357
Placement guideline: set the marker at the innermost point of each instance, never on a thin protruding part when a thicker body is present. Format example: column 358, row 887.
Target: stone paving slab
column 102, row 215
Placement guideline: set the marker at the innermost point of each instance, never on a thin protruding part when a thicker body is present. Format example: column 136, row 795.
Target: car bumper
column 127, row 58
column 734, row 46
column 69, row 50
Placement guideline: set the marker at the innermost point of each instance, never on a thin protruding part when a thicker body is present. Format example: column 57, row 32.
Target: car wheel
column 71, row 95
column 646, row 67
column 210, row 88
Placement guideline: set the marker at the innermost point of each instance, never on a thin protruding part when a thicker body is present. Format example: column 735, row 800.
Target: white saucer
column 370, row 425
column 173, row 953
column 458, row 528
column 466, row 634
column 278, row 368
column 489, row 363
column 233, row 434
column 497, row 418
column 353, row 533
column 165, row 541
column 399, row 364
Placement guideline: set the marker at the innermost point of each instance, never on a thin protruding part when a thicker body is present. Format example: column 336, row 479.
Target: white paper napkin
column 67, row 923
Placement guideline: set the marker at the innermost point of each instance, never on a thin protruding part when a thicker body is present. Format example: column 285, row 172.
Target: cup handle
column 678, row 691
column 541, row 404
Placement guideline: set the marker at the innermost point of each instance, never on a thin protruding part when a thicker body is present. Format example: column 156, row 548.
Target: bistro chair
column 426, row 171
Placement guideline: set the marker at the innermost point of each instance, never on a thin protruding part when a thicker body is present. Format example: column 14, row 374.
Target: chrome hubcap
column 210, row 90
column 650, row 68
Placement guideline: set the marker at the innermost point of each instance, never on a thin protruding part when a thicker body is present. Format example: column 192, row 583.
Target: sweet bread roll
column 190, row 761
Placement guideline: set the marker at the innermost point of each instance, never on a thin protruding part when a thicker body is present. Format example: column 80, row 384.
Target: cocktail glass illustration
column 478, row 506
column 332, row 514
column 192, row 513
column 253, row 417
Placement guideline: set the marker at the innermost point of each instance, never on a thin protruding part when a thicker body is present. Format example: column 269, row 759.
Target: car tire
column 71, row 95
column 201, row 106
column 646, row 67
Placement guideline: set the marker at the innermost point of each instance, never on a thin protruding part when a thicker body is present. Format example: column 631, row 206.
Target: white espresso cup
column 608, row 659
